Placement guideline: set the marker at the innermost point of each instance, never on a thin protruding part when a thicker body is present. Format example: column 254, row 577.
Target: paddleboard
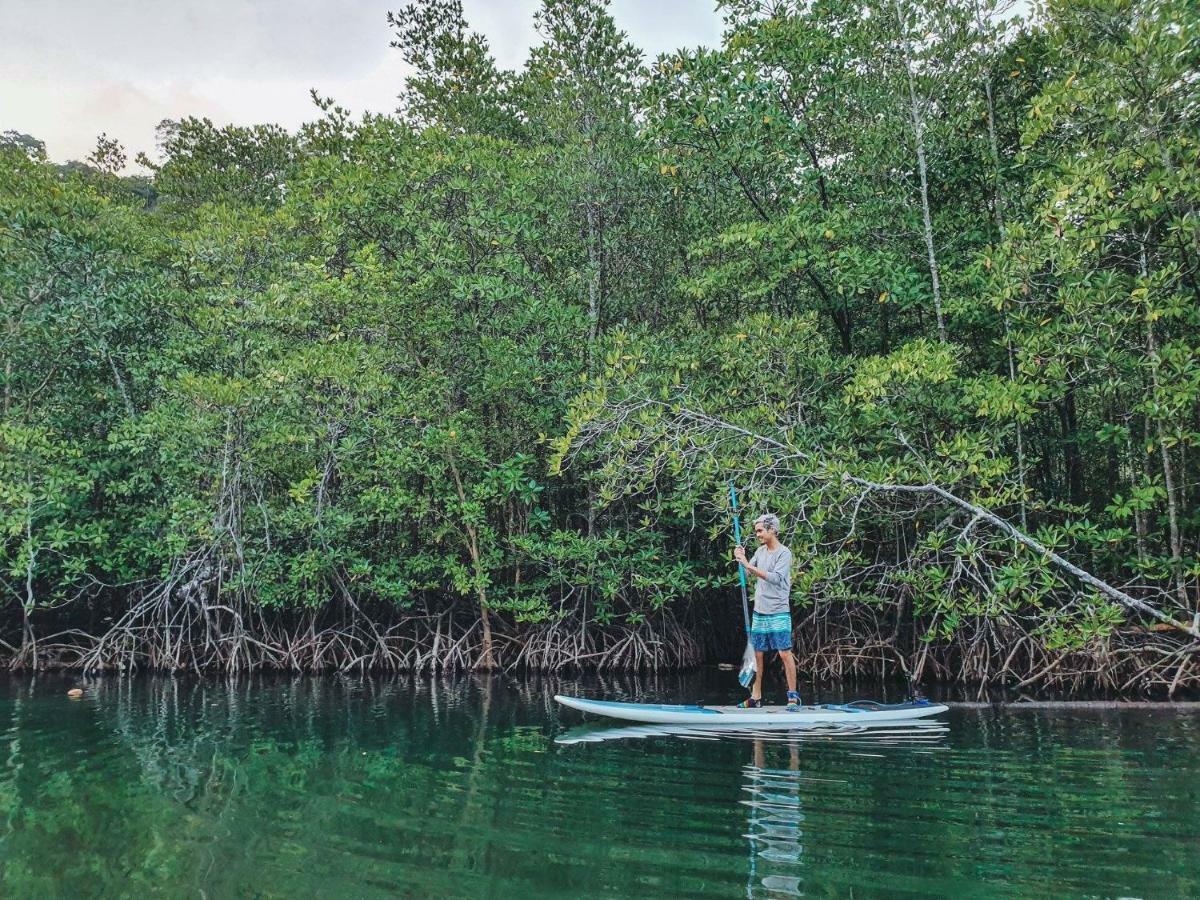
column 732, row 716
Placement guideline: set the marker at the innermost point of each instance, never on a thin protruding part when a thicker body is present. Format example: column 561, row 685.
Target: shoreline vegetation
column 461, row 387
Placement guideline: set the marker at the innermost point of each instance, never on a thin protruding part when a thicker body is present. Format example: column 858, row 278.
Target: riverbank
column 831, row 646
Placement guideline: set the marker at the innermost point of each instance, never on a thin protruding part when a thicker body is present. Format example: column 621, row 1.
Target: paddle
column 749, row 668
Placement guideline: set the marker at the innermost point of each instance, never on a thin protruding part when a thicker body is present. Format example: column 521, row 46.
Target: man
column 771, row 627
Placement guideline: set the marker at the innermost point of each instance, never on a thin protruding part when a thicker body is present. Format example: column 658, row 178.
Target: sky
column 71, row 69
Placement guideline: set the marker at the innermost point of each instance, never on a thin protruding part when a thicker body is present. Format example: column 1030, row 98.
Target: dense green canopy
column 464, row 384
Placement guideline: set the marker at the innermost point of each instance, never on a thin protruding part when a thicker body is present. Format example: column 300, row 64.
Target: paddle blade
column 749, row 668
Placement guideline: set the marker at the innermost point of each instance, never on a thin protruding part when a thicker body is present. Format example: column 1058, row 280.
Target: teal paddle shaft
column 749, row 666
column 737, row 538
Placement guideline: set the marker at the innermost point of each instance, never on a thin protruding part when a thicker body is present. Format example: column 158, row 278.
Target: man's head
column 766, row 526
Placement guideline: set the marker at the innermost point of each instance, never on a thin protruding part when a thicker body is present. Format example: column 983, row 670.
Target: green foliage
column 455, row 84
column 504, row 349
column 234, row 164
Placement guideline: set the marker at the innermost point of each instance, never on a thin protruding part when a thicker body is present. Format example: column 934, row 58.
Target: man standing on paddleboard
column 771, row 628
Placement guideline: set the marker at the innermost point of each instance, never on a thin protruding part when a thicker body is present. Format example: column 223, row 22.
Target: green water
column 465, row 788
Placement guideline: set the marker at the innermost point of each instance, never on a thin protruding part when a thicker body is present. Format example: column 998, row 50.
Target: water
column 480, row 787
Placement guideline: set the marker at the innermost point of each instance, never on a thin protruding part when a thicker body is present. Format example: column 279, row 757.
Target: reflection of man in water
column 775, row 817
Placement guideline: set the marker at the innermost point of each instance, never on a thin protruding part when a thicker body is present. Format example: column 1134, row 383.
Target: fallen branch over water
column 1041, row 550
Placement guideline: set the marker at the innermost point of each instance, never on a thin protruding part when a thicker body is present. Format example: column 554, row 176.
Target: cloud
column 70, row 70
column 171, row 40
column 69, row 116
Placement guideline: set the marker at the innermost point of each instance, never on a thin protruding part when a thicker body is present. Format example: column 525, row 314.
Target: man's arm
column 780, row 573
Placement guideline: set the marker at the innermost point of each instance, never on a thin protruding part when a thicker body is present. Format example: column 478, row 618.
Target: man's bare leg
column 756, row 691
column 789, row 669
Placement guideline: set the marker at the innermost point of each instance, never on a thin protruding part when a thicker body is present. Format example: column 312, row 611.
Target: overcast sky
column 70, row 69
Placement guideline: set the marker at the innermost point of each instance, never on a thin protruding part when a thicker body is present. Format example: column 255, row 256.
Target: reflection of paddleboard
column 910, row 732
column 731, row 716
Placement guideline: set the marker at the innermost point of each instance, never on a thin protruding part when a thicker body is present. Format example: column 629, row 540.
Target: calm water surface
column 481, row 787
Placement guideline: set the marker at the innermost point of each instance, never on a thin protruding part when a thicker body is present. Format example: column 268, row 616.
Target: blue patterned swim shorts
column 771, row 631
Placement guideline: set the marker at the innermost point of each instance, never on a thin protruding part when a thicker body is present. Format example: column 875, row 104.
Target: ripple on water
column 410, row 787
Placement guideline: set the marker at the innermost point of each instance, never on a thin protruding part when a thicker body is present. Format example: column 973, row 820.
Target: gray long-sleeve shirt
column 771, row 593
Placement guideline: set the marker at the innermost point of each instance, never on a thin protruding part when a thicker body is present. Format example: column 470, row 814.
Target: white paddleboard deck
column 733, row 716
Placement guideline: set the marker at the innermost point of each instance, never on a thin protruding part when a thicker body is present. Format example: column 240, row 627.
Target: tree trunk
column 1169, row 481
column 917, row 119
column 28, row 639
column 927, row 222
column 487, row 659
column 8, row 381
column 998, row 206
column 1012, row 377
column 595, row 251
column 1139, row 515
column 594, row 276
column 1168, row 470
